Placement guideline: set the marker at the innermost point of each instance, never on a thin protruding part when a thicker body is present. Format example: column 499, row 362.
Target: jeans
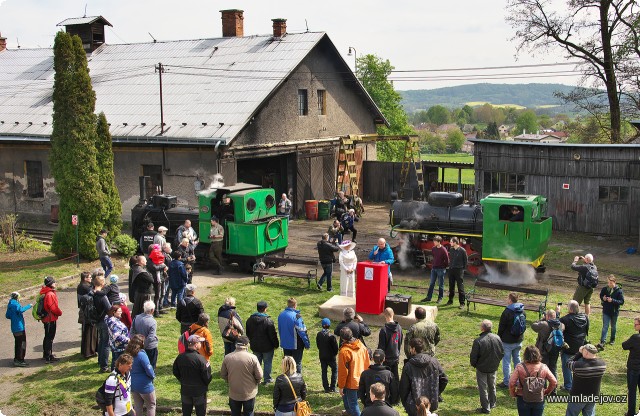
column 455, row 277
column 588, row 409
column 567, row 375
column 229, row 347
column 114, row 356
column 141, row 399
column 529, row 409
column 487, row 388
column 279, row 413
column 350, row 400
column 511, row 352
column 267, row 357
column 179, row 293
column 49, row 335
column 297, row 357
column 324, row 366
column 439, row 274
column 244, row 408
column 103, row 344
column 606, row 320
column 327, row 271
column 633, row 378
column 165, row 298
column 550, row 358
column 20, row 346
column 107, row 266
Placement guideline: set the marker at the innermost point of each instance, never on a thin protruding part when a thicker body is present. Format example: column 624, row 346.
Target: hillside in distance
column 525, row 95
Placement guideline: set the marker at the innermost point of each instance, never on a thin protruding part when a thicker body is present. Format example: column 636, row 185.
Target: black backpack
column 101, row 399
column 519, row 324
column 590, row 279
column 88, row 307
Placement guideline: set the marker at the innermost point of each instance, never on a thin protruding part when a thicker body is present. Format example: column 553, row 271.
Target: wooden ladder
column 347, row 166
column 412, row 156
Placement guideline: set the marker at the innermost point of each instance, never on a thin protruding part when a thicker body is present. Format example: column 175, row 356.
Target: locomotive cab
column 515, row 228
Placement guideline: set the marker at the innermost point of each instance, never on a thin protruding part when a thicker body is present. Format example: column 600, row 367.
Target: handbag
column 230, row 333
column 301, row 407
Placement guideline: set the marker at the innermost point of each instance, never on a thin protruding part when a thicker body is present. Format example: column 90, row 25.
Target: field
column 451, row 175
column 480, row 103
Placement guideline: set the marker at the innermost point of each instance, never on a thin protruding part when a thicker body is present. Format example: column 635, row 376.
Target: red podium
column 371, row 287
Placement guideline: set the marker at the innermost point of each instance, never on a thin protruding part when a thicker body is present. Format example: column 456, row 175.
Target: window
column 303, row 104
column 503, row 182
column 35, row 185
column 322, row 103
column 613, row 193
column 154, row 183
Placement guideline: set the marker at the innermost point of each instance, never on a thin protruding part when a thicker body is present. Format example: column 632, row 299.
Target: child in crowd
column 126, row 313
column 112, row 290
column 424, row 406
column 14, row 313
column 327, row 351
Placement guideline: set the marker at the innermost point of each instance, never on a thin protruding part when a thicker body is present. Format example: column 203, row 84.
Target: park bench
column 496, row 294
column 278, row 261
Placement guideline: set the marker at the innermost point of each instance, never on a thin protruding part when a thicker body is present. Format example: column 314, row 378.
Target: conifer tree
column 112, row 219
column 73, row 149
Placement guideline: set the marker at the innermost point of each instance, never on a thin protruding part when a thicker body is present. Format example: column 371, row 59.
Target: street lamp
column 352, row 51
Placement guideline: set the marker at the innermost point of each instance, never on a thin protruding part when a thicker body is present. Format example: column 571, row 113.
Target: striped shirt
column 587, row 375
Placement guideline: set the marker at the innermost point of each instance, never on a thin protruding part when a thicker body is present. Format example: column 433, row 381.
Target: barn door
column 634, row 215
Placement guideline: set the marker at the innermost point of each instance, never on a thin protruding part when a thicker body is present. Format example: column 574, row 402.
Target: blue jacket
column 347, row 220
column 384, row 255
column 14, row 312
column 178, row 277
column 290, row 326
column 142, row 374
column 617, row 299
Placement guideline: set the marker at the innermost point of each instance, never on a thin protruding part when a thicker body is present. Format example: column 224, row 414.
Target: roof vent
column 89, row 29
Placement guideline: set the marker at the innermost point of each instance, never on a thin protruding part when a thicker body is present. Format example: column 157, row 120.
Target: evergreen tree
column 373, row 72
column 113, row 206
column 492, row 133
column 73, row 149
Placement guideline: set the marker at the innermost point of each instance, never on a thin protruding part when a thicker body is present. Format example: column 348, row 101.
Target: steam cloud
column 217, row 181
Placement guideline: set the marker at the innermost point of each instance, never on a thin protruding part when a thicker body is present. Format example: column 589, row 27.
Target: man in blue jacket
column 382, row 253
column 14, row 312
column 293, row 333
column 612, row 298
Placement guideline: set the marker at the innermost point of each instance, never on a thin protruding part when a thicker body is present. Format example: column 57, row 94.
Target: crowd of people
column 126, row 345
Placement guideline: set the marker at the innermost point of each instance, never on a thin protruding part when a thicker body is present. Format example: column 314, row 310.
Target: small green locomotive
column 247, row 212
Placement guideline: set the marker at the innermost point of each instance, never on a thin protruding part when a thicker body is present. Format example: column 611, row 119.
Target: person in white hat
column 161, row 237
column 348, row 261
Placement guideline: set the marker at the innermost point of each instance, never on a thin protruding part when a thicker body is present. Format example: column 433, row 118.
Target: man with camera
column 355, row 323
column 587, row 280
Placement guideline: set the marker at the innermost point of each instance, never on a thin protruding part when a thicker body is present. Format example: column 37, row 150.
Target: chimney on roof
column 232, row 23
column 3, row 43
column 279, row 27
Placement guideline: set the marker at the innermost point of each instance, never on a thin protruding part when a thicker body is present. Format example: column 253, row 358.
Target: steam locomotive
column 488, row 231
column 247, row 212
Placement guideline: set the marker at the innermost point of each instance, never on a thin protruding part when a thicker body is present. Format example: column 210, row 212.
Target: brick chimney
column 3, row 43
column 232, row 23
column 279, row 27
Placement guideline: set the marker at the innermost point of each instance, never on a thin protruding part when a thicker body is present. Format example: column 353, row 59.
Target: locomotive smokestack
column 143, row 188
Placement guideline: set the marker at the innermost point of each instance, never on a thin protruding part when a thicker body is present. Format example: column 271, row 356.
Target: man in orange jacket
column 50, row 305
column 353, row 359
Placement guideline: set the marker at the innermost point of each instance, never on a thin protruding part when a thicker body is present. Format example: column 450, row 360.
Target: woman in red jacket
column 50, row 305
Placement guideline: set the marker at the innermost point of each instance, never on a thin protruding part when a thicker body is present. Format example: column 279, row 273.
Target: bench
column 473, row 296
column 277, row 261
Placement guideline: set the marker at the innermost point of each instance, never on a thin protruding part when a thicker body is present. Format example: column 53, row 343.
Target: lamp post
column 352, row 51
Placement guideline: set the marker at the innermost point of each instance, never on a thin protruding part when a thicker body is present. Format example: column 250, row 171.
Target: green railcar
column 515, row 238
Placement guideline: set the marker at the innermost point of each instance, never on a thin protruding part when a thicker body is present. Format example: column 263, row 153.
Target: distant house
column 444, row 128
column 504, row 130
column 263, row 109
column 538, row 138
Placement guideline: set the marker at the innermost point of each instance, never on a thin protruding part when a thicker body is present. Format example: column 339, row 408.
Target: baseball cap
column 325, row 322
column 114, row 278
column 48, row 281
column 195, row 338
column 591, row 348
column 242, row 340
column 162, row 228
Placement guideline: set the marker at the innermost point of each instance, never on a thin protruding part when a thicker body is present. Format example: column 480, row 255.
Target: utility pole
column 160, row 70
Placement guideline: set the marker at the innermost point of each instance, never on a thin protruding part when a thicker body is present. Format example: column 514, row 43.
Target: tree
column 373, row 72
column 439, row 115
column 492, row 132
column 545, row 121
column 602, row 34
column 431, row 143
column 527, row 122
column 113, row 206
column 455, row 140
column 73, row 155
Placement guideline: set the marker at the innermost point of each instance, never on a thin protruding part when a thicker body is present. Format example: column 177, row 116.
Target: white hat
column 162, row 228
column 347, row 245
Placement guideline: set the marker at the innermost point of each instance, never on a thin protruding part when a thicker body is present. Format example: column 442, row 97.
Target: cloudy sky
column 449, row 41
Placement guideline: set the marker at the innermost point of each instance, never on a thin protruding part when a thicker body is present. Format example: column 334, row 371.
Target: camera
column 581, row 257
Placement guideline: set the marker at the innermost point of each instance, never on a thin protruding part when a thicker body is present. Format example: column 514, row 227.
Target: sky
column 445, row 41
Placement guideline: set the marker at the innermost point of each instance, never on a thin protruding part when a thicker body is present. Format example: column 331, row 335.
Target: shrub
column 125, row 245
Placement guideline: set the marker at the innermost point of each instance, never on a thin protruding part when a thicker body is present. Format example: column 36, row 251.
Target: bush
column 125, row 245
column 11, row 239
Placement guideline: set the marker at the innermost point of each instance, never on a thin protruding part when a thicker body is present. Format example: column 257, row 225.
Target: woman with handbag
column 527, row 383
column 230, row 324
column 290, row 390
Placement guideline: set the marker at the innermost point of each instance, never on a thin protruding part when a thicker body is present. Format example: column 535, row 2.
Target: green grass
column 71, row 384
column 451, row 175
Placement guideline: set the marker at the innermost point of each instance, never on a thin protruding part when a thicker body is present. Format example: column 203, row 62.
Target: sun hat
column 347, row 245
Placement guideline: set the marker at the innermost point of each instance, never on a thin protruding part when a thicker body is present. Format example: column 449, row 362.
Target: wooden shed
column 591, row 188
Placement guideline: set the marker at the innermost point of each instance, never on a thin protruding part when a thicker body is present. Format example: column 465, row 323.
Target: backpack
column 101, row 399
column 556, row 339
column 38, row 311
column 533, row 386
column 590, row 279
column 183, row 341
column 88, row 308
column 519, row 324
